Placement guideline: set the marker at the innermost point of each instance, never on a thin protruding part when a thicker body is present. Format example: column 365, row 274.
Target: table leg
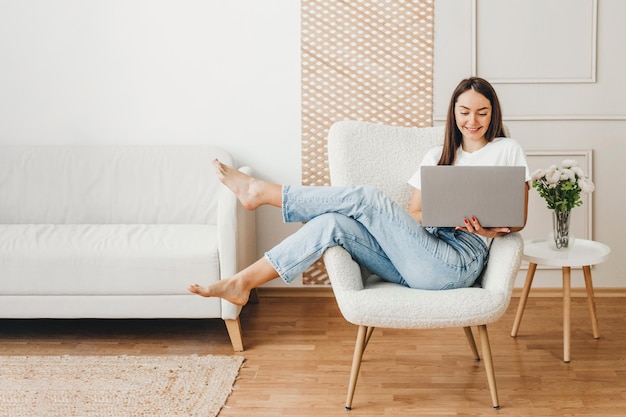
column 566, row 313
column 591, row 301
column 523, row 298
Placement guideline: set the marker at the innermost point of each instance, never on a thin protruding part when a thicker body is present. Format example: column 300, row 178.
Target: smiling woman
column 473, row 114
column 474, row 119
column 474, row 135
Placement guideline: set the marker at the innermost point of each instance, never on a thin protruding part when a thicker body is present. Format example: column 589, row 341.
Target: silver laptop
column 495, row 195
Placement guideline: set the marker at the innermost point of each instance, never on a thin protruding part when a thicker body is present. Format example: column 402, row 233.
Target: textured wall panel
column 362, row 60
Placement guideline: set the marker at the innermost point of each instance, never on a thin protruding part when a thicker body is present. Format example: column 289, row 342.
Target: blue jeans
column 379, row 234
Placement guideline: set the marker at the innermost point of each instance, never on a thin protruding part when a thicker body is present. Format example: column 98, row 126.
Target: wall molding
column 495, row 80
column 554, row 117
column 582, row 117
column 476, row 12
column 326, row 291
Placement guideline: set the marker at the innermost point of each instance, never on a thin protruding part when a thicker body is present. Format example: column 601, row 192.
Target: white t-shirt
column 498, row 152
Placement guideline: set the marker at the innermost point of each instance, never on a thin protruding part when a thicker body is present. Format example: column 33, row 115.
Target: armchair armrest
column 505, row 257
column 345, row 271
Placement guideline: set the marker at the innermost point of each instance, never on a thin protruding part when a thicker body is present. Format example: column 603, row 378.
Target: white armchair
column 385, row 157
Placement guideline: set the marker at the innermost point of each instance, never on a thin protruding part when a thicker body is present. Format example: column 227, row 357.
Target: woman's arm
column 415, row 205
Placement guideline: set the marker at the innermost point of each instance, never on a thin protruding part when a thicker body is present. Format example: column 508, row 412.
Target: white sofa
column 118, row 232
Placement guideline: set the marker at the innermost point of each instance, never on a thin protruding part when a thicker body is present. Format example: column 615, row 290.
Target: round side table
column 583, row 253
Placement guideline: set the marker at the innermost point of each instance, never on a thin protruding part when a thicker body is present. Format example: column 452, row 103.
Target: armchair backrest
column 382, row 156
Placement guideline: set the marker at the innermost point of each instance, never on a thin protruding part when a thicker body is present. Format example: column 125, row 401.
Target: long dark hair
column 453, row 138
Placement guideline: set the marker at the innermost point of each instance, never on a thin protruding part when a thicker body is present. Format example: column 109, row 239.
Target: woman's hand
column 473, row 226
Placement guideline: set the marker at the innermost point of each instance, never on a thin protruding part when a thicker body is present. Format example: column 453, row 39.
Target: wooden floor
column 299, row 350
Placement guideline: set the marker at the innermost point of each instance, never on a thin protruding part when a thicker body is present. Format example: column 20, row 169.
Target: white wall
column 157, row 72
column 541, row 58
column 228, row 73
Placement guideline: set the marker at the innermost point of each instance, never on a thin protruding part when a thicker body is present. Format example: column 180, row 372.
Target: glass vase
column 560, row 238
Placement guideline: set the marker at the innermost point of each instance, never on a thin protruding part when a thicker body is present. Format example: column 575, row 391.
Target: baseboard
column 326, row 291
column 294, row 292
column 575, row 292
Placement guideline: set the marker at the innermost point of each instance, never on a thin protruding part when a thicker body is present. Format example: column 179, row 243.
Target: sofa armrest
column 236, row 234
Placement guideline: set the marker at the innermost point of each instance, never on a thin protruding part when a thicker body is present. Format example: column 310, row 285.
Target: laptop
column 495, row 195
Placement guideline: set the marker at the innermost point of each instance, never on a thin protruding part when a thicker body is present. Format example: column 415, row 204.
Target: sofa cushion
column 109, row 259
column 109, row 184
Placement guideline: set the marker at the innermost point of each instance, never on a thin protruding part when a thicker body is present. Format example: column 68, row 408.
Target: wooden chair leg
column 359, row 348
column 234, row 332
column 530, row 274
column 491, row 376
column 472, row 343
column 368, row 336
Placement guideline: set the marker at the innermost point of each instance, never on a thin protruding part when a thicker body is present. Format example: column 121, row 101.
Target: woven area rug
column 83, row 386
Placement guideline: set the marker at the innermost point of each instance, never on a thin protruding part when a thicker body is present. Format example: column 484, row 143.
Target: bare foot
column 228, row 289
column 249, row 190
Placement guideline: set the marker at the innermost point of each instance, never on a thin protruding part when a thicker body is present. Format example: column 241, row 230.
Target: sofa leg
column 234, row 332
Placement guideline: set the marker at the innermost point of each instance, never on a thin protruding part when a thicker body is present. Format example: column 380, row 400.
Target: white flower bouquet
column 561, row 185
